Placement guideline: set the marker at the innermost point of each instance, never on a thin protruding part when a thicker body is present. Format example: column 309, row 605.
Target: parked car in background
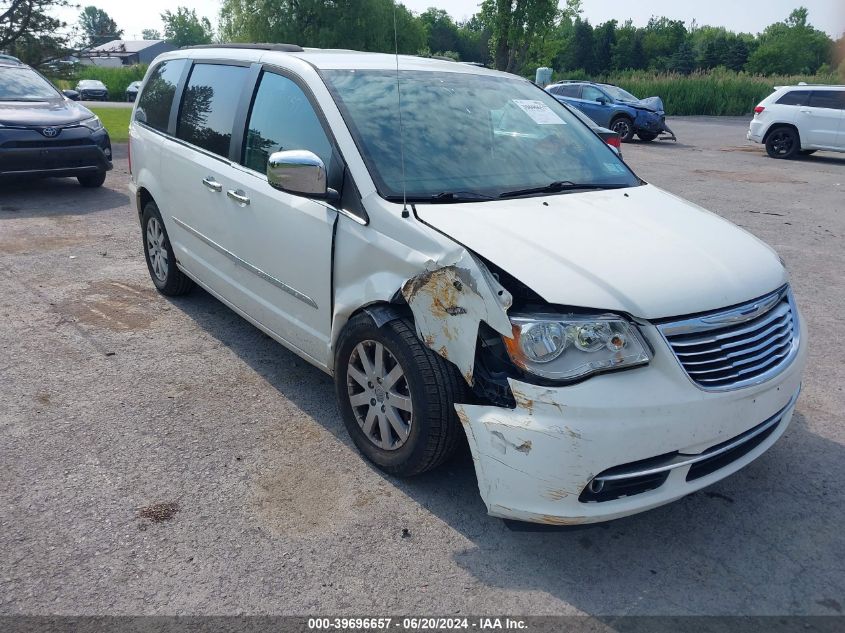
column 488, row 269
column 606, row 134
column 42, row 133
column 92, row 90
column 800, row 119
column 614, row 108
column 132, row 90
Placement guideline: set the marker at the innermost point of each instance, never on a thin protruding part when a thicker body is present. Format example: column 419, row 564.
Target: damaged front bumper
column 620, row 443
column 652, row 123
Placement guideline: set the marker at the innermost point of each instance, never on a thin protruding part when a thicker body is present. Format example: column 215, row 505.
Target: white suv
column 483, row 266
column 800, row 120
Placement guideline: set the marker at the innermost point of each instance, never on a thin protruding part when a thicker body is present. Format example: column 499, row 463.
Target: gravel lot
column 115, row 399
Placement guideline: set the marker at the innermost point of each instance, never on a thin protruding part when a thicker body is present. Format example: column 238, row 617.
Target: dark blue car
column 614, row 108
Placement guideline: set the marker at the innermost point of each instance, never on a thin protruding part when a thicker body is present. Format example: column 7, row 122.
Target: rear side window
column 157, row 98
column 794, row 97
column 569, row 90
column 282, row 118
column 209, row 104
column 833, row 99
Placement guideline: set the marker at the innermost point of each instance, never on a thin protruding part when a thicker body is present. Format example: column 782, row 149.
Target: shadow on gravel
column 28, row 198
column 767, row 540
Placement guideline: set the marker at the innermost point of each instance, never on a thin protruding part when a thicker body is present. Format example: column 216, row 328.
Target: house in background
column 125, row 52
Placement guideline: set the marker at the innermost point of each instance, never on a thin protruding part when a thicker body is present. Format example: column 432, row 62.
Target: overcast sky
column 737, row 15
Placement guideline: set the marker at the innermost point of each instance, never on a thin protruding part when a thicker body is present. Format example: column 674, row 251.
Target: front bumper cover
column 534, row 461
column 75, row 151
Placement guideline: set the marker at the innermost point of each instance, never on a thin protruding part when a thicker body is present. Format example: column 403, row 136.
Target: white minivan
column 475, row 264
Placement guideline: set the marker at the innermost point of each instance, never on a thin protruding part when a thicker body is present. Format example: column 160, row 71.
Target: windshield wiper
column 556, row 187
column 445, row 197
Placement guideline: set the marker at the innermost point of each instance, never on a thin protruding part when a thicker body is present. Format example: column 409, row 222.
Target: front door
column 598, row 111
column 285, row 241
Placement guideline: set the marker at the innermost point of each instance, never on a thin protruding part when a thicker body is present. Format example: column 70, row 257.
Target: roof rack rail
column 285, row 48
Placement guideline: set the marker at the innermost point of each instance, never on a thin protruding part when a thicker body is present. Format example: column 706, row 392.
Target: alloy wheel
column 156, row 249
column 379, row 394
column 781, row 142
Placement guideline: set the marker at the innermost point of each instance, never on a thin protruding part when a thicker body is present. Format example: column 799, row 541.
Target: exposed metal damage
column 517, row 454
column 450, row 301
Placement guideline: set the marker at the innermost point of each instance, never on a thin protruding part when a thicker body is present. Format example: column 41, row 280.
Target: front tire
column 624, row 127
column 92, row 180
column 396, row 396
column 783, row 142
column 161, row 261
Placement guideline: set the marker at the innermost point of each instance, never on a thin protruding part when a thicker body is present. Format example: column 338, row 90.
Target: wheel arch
column 143, row 197
column 777, row 126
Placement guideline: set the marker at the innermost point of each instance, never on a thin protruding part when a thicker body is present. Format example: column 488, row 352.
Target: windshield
column 91, row 83
column 24, row 84
column 469, row 135
column 617, row 93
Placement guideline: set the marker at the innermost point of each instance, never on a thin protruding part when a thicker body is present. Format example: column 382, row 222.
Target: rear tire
column 646, row 136
column 624, row 127
column 161, row 261
column 783, row 142
column 92, row 180
column 429, row 386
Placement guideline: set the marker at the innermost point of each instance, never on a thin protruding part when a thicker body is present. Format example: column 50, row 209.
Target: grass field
column 116, row 121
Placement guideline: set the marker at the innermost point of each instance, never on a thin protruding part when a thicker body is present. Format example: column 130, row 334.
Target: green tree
column 736, row 55
column 97, row 27
column 628, row 51
column 791, row 47
column 150, row 34
column 518, row 29
column 661, row 39
column 366, row 25
column 184, row 28
column 683, row 59
column 441, row 31
column 29, row 30
column 604, row 40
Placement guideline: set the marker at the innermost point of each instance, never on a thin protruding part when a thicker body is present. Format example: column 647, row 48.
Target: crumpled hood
column 638, row 250
column 655, row 104
column 57, row 112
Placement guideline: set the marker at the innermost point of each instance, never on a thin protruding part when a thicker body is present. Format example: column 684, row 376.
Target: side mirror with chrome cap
column 301, row 173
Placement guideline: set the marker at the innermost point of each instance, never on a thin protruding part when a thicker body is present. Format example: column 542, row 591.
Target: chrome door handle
column 806, row 111
column 239, row 196
column 212, row 184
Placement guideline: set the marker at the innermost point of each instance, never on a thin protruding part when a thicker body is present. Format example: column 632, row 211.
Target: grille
column 74, row 142
column 737, row 347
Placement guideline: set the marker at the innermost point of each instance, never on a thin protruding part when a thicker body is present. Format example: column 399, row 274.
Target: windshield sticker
column 539, row 112
column 616, row 168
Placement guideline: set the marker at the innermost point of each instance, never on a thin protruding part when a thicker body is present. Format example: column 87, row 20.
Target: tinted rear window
column 833, row 99
column 207, row 115
column 794, row 97
column 569, row 90
column 155, row 102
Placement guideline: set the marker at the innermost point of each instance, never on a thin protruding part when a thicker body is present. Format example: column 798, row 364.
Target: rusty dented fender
column 450, row 301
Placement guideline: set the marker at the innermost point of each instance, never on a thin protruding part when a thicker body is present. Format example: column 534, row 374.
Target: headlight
column 574, row 346
column 93, row 123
